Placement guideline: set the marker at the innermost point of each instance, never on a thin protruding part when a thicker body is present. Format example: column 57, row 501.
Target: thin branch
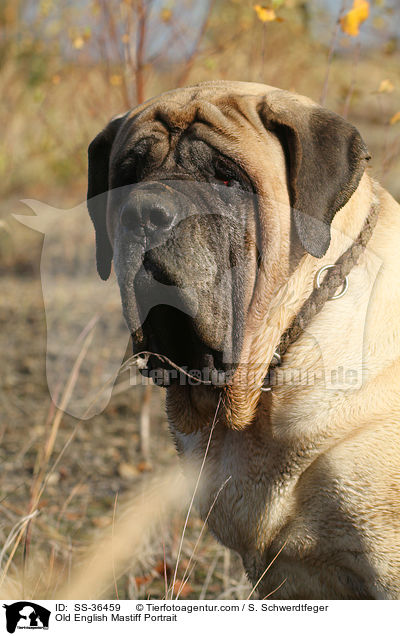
column 324, row 93
column 182, row 79
column 356, row 59
column 140, row 50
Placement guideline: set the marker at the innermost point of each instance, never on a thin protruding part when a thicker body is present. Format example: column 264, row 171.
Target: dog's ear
column 98, row 184
column 326, row 159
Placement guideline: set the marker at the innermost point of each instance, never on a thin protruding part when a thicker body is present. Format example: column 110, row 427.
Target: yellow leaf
column 125, row 38
column 127, row 471
column 116, row 80
column 95, row 8
column 378, row 23
column 265, row 14
column 350, row 23
column 386, row 86
column 362, row 6
column 78, row 43
column 45, row 6
column 395, row 118
column 166, row 15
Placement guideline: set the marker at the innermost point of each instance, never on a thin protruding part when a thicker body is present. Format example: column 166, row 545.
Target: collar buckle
column 318, row 282
column 275, row 362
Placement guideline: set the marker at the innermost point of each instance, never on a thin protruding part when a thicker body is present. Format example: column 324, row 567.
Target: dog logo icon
column 26, row 615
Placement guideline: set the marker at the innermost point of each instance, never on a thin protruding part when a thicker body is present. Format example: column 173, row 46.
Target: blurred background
column 66, row 68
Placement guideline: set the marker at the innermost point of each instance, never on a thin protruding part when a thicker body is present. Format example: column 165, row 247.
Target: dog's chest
column 246, row 489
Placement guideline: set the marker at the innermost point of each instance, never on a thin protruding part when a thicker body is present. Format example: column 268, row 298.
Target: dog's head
column 192, row 192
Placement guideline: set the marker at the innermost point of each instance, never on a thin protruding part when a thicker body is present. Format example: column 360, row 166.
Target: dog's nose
column 146, row 213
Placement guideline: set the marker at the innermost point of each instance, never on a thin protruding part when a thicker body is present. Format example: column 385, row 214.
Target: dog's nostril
column 159, row 217
column 145, row 213
column 130, row 217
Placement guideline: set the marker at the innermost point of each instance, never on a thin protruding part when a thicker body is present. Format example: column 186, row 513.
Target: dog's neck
column 285, row 303
column 336, row 274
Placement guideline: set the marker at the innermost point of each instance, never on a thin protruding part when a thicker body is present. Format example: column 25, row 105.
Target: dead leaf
column 142, row 580
column 184, row 589
column 127, row 471
column 144, row 467
column 386, row 86
column 64, row 473
column 72, row 516
column 116, row 80
column 163, row 568
column 395, row 118
column 53, row 479
column 101, row 522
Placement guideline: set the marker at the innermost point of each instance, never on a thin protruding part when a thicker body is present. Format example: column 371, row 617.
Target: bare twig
column 143, row 12
column 356, row 59
column 263, row 47
column 324, row 93
column 182, row 79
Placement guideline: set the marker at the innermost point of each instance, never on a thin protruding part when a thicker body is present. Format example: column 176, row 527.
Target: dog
column 219, row 205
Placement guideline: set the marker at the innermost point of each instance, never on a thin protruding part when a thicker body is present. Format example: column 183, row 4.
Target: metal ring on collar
column 318, row 282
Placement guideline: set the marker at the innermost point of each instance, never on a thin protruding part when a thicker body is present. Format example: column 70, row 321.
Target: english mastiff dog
column 220, row 206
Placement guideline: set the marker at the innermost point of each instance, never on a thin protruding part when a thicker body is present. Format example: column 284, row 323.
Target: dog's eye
column 226, row 182
column 225, row 179
column 230, row 175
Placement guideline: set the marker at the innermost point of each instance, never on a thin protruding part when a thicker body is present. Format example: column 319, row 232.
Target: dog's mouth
column 184, row 287
column 173, row 353
column 185, row 315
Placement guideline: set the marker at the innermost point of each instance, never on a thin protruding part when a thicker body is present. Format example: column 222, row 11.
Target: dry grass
column 78, row 493
column 129, row 532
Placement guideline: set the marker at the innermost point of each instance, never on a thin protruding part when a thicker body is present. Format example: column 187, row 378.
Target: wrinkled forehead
column 222, row 120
